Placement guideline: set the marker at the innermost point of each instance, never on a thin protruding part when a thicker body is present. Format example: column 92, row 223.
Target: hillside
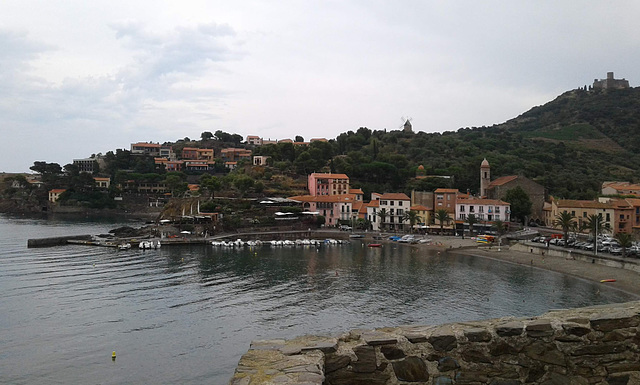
column 570, row 145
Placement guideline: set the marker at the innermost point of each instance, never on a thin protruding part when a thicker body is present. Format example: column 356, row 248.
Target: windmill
column 406, row 124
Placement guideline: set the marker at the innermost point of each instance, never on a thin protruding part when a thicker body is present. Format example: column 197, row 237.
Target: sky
column 84, row 77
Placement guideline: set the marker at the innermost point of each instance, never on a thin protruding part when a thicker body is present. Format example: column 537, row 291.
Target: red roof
column 355, row 191
column 329, row 176
column 395, row 196
column 419, row 208
column 447, row 190
column 583, row 204
column 502, row 180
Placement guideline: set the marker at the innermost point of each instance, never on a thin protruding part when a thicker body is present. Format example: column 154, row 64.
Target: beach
column 626, row 280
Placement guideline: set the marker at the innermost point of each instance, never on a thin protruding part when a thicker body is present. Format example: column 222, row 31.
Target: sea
column 186, row 314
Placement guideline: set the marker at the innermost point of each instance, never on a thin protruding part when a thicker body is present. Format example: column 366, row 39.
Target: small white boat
column 124, row 246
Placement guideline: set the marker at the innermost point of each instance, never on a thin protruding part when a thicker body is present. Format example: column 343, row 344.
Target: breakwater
column 592, row 345
column 55, row 241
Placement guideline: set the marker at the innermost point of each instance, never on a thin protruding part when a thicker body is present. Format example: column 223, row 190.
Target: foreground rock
column 594, row 345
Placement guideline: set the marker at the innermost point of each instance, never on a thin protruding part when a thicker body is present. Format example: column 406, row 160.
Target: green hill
column 569, row 145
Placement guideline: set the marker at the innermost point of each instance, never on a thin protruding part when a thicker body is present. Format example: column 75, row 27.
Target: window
column 383, row 202
column 463, row 216
column 481, row 209
column 399, row 203
column 608, row 217
column 497, row 210
column 472, row 209
column 439, row 197
column 461, row 209
column 490, row 217
column 391, row 203
column 448, row 197
column 400, row 212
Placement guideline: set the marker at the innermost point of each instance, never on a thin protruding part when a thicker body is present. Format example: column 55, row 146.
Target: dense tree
column 210, row 183
column 520, row 203
column 206, row 135
column 299, row 139
column 243, row 183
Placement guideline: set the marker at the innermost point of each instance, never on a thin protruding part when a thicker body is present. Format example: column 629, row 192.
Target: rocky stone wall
column 594, row 345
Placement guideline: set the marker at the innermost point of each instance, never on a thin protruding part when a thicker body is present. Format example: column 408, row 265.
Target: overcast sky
column 80, row 77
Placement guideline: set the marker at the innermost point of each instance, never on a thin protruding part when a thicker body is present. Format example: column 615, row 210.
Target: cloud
column 158, row 91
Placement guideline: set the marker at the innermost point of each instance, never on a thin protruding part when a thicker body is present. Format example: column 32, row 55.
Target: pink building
column 328, row 184
column 334, row 208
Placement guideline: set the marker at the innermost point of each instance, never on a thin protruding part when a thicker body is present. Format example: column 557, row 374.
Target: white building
column 489, row 210
column 395, row 205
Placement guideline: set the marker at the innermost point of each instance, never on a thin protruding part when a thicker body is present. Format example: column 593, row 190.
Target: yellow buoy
column 113, row 355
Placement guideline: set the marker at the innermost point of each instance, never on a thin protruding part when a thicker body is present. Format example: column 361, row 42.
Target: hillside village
column 572, row 156
column 329, row 198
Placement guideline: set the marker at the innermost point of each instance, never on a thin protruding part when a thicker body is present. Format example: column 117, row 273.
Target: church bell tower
column 485, row 177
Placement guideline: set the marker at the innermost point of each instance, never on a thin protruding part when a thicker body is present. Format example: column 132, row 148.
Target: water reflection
column 186, row 314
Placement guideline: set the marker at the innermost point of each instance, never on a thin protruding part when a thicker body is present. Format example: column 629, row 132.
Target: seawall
column 579, row 255
column 592, row 345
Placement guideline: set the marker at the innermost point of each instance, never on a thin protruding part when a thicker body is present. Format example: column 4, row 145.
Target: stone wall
column 579, row 255
column 593, row 345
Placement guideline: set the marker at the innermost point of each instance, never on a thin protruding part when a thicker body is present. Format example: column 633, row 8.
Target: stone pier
column 593, row 345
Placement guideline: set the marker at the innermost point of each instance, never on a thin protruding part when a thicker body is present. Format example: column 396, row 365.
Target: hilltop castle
column 610, row 83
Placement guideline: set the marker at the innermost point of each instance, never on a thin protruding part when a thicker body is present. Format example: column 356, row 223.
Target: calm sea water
column 186, row 314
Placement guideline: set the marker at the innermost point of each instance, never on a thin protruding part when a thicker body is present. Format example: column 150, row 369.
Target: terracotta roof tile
column 502, row 180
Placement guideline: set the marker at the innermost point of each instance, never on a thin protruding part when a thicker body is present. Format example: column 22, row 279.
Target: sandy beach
column 626, row 280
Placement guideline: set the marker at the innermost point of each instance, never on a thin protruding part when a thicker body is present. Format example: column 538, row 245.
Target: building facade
column 328, row 184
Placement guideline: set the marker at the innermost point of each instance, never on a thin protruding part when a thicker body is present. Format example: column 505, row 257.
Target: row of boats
column 298, row 242
column 144, row 245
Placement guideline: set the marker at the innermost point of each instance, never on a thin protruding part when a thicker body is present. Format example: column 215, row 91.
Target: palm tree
column 471, row 220
column 382, row 214
column 596, row 225
column 566, row 221
column 442, row 216
column 412, row 217
column 625, row 240
column 500, row 227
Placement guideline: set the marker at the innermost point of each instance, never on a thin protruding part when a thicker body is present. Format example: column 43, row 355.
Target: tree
column 176, row 184
column 566, row 221
column 500, row 227
column 210, row 183
column 206, row 135
column 299, row 139
column 471, row 220
column 243, row 183
column 625, row 240
column 596, row 225
column 442, row 216
column 382, row 214
column 520, row 203
column 412, row 217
